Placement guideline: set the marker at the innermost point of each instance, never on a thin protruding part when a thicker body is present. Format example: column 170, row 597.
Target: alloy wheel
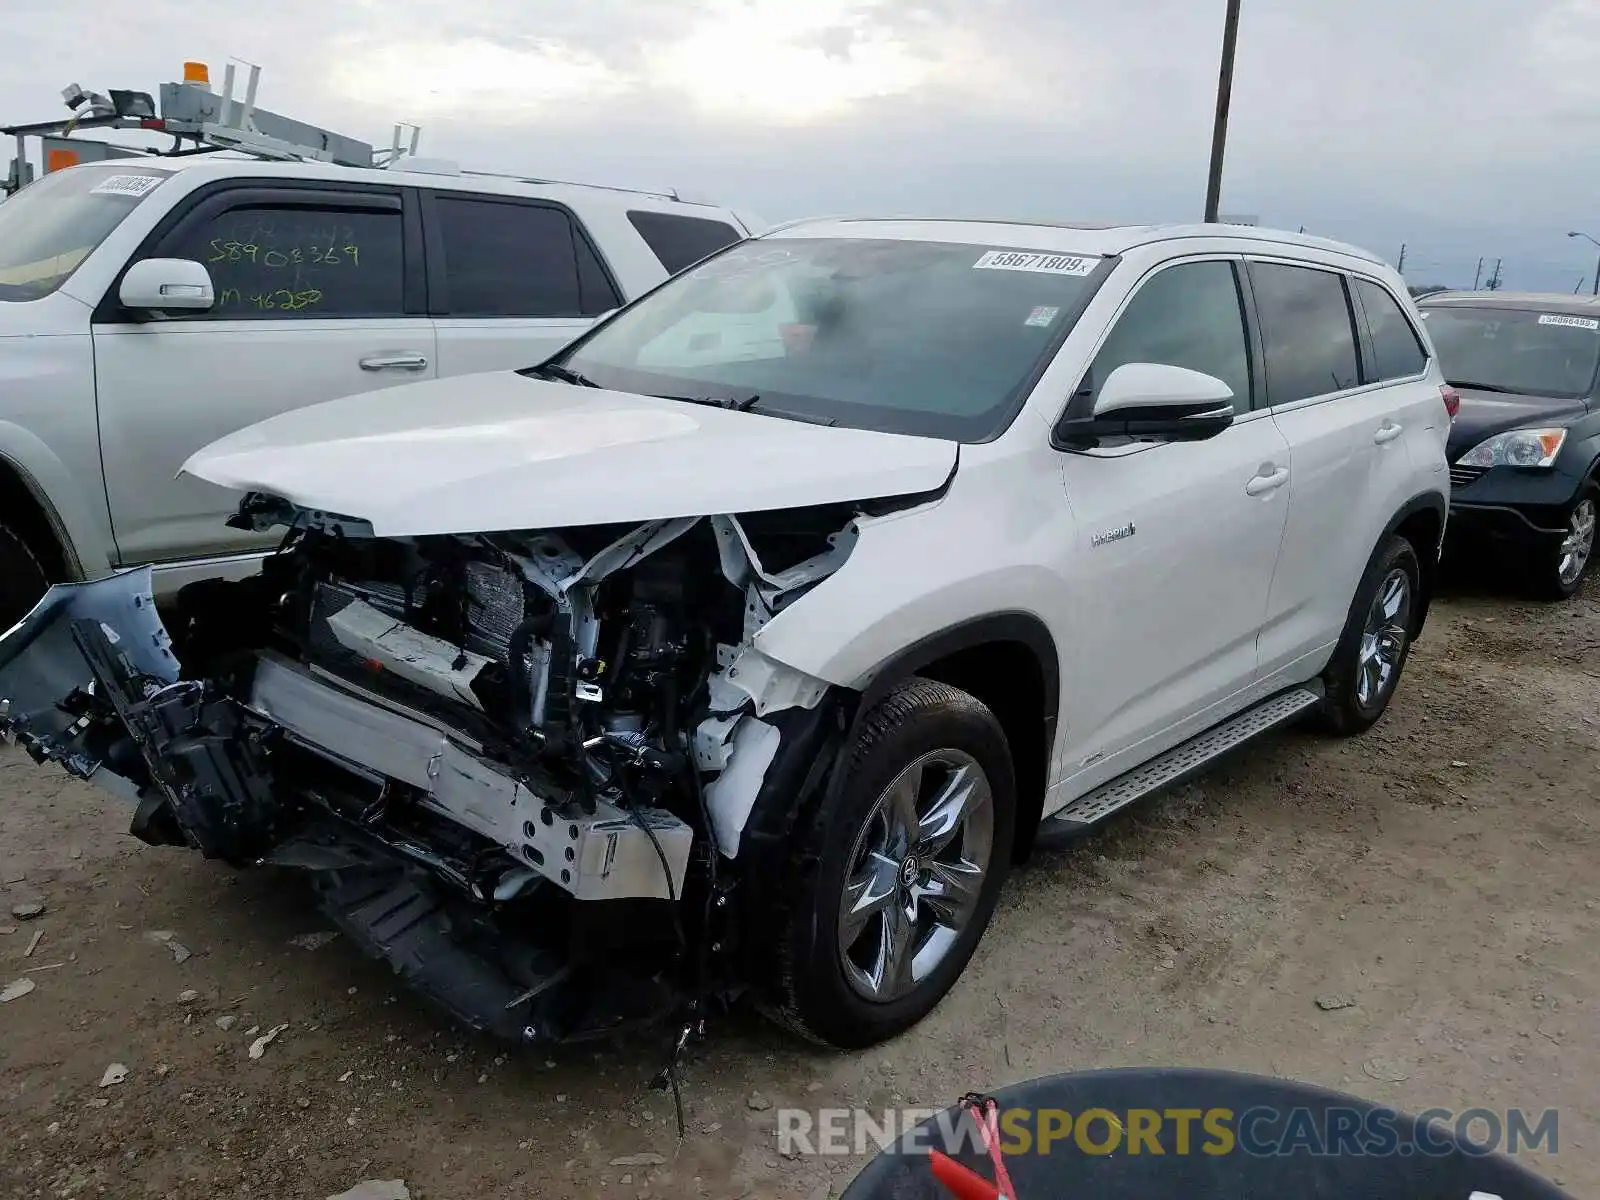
column 1383, row 638
column 1578, row 544
column 915, row 874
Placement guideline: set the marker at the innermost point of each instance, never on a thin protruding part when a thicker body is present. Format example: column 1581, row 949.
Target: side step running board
column 1181, row 761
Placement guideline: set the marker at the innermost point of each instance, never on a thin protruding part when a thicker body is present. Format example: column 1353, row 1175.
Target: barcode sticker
column 125, row 185
column 1025, row 260
column 1569, row 322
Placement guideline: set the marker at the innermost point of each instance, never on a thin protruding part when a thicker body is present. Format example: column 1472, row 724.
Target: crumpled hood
column 499, row 451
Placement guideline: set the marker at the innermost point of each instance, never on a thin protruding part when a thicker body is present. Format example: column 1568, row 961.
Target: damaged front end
column 518, row 767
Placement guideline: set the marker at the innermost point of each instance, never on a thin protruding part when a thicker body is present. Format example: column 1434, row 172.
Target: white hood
column 498, row 451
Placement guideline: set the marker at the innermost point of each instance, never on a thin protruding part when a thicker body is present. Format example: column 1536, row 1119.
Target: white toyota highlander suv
column 746, row 643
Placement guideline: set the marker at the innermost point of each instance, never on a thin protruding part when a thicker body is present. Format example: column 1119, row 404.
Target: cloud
column 1462, row 130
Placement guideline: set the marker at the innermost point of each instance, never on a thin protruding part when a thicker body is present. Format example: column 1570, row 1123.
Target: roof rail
column 545, row 181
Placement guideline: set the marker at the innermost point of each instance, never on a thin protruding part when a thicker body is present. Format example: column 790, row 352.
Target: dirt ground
column 1442, row 872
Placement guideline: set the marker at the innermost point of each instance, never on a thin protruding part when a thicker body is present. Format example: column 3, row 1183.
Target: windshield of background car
column 932, row 338
column 1526, row 353
column 49, row 227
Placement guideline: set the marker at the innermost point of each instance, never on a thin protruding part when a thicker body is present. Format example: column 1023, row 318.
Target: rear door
column 1348, row 432
column 510, row 280
column 319, row 295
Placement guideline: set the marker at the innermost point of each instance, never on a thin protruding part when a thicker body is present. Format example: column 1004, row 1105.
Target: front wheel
column 1372, row 652
column 1557, row 571
column 894, row 880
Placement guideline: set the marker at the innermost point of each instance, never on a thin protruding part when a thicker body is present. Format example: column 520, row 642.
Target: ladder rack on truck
column 200, row 122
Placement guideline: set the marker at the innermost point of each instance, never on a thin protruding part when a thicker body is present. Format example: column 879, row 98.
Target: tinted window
column 935, row 338
column 274, row 262
column 515, row 260
column 1525, row 353
column 1186, row 316
column 1396, row 351
column 49, row 227
column 1305, row 321
column 681, row 242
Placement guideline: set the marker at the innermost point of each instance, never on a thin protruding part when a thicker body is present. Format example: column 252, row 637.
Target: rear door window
column 1308, row 329
column 1396, row 350
column 680, row 242
column 514, row 259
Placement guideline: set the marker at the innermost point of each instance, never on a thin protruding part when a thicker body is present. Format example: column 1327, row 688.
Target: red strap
column 961, row 1182
column 989, row 1122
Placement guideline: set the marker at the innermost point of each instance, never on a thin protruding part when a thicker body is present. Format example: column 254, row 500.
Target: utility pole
column 1477, row 276
column 1591, row 240
column 1493, row 282
column 1400, row 267
column 1219, row 129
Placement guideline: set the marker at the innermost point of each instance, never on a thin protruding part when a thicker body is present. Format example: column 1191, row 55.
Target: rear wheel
column 1372, row 652
column 22, row 579
column 1557, row 570
column 889, row 889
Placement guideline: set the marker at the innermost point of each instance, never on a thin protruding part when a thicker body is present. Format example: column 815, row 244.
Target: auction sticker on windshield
column 1025, row 260
column 1570, row 322
column 125, row 185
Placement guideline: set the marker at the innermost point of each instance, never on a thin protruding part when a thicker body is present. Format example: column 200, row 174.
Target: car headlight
column 1517, row 448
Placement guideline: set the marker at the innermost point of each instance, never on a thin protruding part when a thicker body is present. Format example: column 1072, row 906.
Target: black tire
column 1351, row 704
column 23, row 580
column 812, row 995
column 1545, row 570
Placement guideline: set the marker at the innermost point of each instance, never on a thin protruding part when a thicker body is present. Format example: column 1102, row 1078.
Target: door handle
column 1387, row 432
column 1262, row 484
column 395, row 362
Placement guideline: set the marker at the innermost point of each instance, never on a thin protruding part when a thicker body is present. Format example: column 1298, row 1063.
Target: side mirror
column 167, row 284
column 1153, row 401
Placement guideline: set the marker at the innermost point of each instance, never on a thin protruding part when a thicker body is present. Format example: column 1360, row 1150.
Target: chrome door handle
column 1387, row 432
column 1266, row 483
column 395, row 362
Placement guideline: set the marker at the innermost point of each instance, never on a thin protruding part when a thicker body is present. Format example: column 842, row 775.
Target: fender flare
column 47, row 481
column 1435, row 503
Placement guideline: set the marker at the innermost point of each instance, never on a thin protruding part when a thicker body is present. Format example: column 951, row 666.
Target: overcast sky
column 1461, row 129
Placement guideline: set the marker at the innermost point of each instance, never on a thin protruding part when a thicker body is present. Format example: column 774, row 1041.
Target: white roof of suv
column 217, row 166
column 1066, row 237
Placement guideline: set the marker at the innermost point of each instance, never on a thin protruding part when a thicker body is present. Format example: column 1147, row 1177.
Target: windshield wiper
column 558, row 372
column 732, row 403
column 1482, row 387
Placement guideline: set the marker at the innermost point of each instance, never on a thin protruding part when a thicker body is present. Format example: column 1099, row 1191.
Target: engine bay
column 508, row 761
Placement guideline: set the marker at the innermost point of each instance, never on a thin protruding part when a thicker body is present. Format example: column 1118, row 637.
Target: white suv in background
column 149, row 306
column 749, row 640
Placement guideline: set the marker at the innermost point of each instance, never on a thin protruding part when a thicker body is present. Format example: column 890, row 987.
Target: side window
column 1396, row 350
column 517, row 260
column 280, row 261
column 1189, row 316
column 1307, row 327
column 681, row 242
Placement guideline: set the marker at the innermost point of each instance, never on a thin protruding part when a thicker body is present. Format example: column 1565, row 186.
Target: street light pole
column 1587, row 238
column 1219, row 130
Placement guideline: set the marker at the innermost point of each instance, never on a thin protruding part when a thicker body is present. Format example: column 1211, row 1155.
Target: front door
column 313, row 303
column 1177, row 542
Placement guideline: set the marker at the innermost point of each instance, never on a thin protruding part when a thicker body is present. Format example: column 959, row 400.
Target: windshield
column 931, row 338
column 51, row 226
column 1526, row 353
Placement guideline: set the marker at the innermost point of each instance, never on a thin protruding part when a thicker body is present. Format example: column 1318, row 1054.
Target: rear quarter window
column 680, row 242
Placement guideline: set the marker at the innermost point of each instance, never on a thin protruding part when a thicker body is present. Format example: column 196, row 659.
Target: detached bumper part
column 88, row 680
